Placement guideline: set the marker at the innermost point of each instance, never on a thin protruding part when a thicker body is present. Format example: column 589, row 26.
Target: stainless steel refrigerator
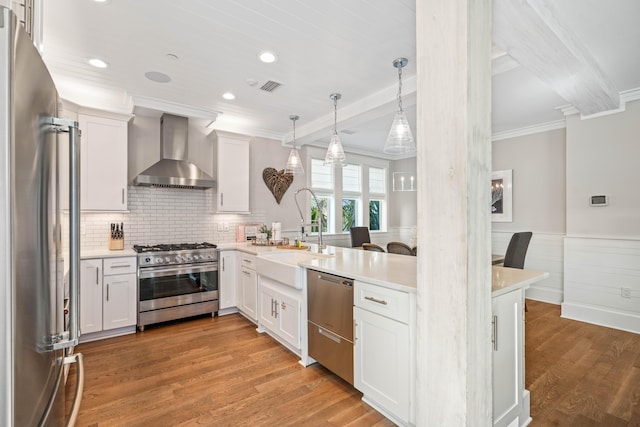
column 39, row 239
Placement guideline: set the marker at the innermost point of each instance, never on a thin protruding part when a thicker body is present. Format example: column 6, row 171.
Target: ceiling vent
column 270, row 86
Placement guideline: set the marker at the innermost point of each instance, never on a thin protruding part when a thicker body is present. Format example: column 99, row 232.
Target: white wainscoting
column 545, row 253
column 596, row 271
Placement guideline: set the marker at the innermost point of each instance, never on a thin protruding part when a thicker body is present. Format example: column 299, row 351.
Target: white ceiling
column 325, row 47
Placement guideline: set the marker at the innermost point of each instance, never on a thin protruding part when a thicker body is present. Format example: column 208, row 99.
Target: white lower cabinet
column 108, row 296
column 228, row 270
column 383, row 355
column 248, row 295
column 508, row 359
column 280, row 311
column 90, row 295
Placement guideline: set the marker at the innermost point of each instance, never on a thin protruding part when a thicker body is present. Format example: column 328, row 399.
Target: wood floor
column 211, row 372
column 580, row 374
column 221, row 372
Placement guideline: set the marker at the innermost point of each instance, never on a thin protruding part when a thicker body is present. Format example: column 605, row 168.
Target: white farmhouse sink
column 283, row 266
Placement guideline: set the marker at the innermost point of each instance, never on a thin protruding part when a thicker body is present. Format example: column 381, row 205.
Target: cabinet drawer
column 121, row 265
column 248, row 261
column 387, row 302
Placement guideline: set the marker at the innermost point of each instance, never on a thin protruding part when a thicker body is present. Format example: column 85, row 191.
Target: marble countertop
column 384, row 269
column 106, row 253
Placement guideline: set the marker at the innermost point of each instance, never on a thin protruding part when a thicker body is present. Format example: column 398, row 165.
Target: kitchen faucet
column 295, row 197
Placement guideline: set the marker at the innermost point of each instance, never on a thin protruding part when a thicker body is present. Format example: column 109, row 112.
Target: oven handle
column 148, row 272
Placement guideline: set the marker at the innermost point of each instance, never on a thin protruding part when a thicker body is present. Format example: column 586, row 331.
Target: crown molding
column 625, row 96
column 528, row 130
column 175, row 108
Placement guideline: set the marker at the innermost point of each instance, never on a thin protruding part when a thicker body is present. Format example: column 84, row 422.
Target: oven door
column 177, row 285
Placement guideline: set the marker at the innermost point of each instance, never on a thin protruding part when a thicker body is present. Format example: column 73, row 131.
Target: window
column 377, row 200
column 354, row 195
column 351, row 196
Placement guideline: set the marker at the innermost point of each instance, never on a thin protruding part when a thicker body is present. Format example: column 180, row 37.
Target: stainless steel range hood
column 173, row 169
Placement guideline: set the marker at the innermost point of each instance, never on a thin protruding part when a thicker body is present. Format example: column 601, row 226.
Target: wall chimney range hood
column 173, row 169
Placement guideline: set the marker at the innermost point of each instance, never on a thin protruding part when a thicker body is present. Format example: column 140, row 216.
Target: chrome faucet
column 319, row 221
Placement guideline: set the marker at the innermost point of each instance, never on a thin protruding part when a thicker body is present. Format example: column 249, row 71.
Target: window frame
column 338, row 194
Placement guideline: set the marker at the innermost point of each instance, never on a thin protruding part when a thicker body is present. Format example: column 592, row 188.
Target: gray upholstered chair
column 517, row 250
column 372, row 247
column 399, row 248
column 359, row 235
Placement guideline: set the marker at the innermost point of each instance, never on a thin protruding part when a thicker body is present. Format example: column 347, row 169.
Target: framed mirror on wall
column 502, row 196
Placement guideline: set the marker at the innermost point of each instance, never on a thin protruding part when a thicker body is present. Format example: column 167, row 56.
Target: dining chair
column 517, row 251
column 372, row 247
column 414, row 251
column 398, row 248
column 359, row 235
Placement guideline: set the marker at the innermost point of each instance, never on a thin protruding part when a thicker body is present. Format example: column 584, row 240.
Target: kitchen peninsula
column 385, row 290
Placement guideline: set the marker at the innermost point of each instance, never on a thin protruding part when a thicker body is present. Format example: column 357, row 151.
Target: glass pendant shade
column 400, row 139
column 335, row 152
column 294, row 162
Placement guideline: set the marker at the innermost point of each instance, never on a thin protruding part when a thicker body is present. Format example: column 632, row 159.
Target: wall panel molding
column 602, row 282
column 545, row 253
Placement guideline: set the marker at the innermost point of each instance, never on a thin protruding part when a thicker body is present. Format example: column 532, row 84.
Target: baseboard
column 110, row 333
column 548, row 295
column 624, row 321
column 228, row 310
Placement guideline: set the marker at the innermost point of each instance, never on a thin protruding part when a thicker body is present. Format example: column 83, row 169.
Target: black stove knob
column 147, row 260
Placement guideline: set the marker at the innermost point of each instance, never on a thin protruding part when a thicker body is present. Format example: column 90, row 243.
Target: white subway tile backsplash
column 165, row 215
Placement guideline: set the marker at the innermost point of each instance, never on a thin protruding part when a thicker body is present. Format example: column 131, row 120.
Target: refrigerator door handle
column 77, row 397
column 69, row 338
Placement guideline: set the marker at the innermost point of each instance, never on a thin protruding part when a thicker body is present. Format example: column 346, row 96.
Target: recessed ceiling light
column 157, row 76
column 252, row 82
column 102, row 1
column 98, row 63
column 228, row 95
column 268, row 57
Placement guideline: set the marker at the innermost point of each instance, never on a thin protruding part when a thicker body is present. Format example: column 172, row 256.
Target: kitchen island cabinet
column 247, row 295
column 384, row 361
column 280, row 312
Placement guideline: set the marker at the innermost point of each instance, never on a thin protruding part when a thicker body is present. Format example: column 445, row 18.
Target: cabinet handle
column 107, row 292
column 379, row 301
column 246, row 261
column 276, row 310
column 494, row 332
column 97, row 275
column 246, row 272
column 120, row 265
column 123, row 196
column 221, row 199
column 222, row 263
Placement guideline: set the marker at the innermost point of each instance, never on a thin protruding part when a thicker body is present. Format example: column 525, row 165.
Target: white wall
column 603, row 157
column 602, row 248
column 538, row 164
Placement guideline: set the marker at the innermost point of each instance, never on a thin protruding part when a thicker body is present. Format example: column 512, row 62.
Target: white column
column 454, row 169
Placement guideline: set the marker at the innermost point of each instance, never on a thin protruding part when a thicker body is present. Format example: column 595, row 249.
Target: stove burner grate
column 173, row 247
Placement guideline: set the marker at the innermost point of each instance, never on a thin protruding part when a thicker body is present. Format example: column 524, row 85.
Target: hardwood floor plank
column 222, row 372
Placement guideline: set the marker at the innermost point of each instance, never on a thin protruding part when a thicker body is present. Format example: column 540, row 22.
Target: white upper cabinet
column 103, row 163
column 232, row 168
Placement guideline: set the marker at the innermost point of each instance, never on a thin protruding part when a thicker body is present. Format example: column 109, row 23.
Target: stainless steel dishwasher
column 330, row 307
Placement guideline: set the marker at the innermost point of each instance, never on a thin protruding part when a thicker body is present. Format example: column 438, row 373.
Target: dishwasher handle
column 335, row 279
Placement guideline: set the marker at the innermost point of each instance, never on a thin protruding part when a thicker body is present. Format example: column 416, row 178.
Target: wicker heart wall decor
column 277, row 182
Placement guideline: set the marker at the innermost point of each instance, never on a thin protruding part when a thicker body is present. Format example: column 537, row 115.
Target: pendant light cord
column 294, row 133
column 400, row 88
column 335, row 115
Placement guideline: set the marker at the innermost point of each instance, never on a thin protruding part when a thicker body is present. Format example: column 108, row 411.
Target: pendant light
column 335, row 152
column 400, row 139
column 294, row 162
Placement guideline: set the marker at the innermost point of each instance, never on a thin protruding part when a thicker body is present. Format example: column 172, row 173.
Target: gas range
column 175, row 254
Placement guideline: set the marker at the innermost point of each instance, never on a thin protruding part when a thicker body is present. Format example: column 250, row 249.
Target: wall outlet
column 625, row 292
